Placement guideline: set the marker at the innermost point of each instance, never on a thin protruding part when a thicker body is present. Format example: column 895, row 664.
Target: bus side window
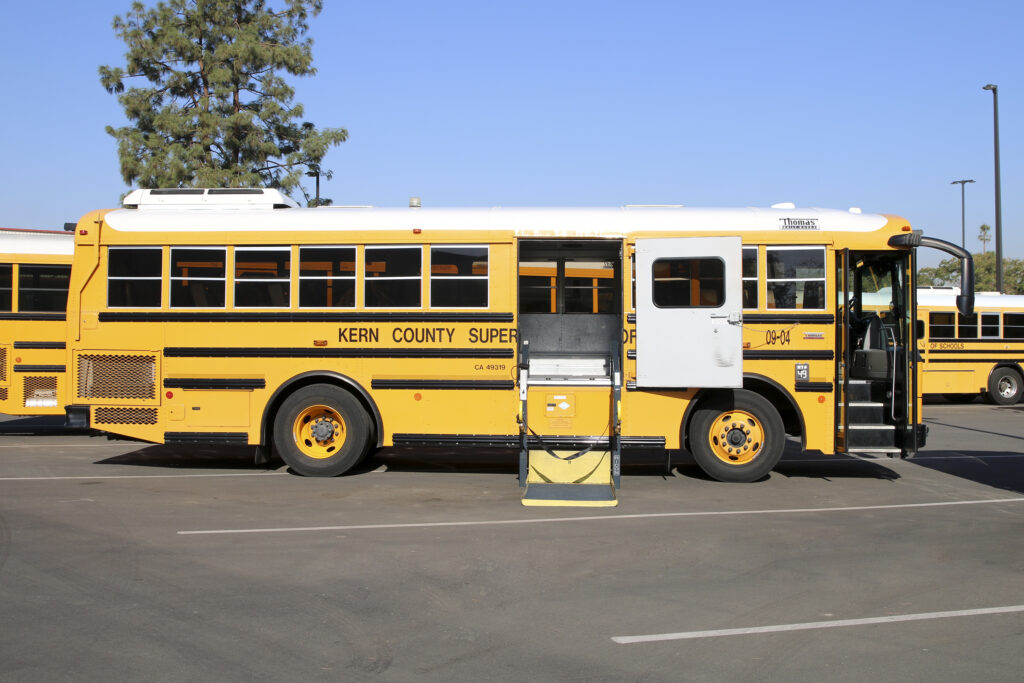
column 43, row 288
column 198, row 277
column 967, row 327
column 134, row 277
column 941, row 325
column 458, row 277
column 990, row 325
column 1013, row 325
column 6, row 273
column 688, row 283
column 920, row 329
column 749, row 277
column 392, row 276
column 796, row 277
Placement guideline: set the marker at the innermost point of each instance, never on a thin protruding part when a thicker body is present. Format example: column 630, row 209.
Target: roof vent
column 855, row 209
column 784, row 205
column 213, row 198
column 415, row 203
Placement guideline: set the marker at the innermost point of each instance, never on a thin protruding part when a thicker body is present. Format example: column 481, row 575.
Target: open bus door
column 689, row 312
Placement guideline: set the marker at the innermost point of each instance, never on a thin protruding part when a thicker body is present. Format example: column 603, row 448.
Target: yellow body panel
column 32, row 347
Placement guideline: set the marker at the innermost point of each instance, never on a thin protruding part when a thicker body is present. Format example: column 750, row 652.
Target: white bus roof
column 547, row 221
column 985, row 300
column 36, row 242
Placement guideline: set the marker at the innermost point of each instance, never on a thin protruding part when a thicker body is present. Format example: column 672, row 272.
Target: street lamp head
column 990, row 87
column 961, row 182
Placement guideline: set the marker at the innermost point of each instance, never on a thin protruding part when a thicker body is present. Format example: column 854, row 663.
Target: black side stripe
column 969, row 360
column 783, row 319
column 817, row 387
column 289, row 317
column 214, row 383
column 33, row 316
column 1001, row 352
column 259, row 352
column 235, row 438
column 788, row 355
column 423, row 384
column 39, row 368
column 39, row 345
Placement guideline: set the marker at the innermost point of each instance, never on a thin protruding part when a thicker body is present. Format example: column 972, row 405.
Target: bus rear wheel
column 1004, row 386
column 737, row 436
column 321, row 431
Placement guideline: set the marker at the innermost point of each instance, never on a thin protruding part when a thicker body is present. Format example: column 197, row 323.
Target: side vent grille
column 40, row 392
column 3, row 394
column 117, row 376
column 124, row 416
column 3, row 364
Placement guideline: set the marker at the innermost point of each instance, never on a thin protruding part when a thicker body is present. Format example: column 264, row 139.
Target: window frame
column 367, row 280
column 756, row 278
column 768, row 280
column 982, row 324
column 235, row 280
column 16, row 282
column 119, row 278
column 932, row 325
column 354, row 277
column 430, row 271
column 171, row 277
column 724, row 292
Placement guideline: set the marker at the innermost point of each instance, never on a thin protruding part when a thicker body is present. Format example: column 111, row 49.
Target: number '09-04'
column 776, row 337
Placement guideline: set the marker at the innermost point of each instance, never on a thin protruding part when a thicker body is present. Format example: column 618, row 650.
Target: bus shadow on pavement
column 192, row 458
column 38, row 426
column 998, row 469
column 492, row 460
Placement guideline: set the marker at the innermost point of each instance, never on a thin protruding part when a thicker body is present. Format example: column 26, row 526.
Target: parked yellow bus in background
column 234, row 317
column 979, row 354
column 35, row 267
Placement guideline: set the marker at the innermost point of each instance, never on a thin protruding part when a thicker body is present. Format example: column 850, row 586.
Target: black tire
column 960, row 398
column 1004, row 387
column 715, row 417
column 345, row 427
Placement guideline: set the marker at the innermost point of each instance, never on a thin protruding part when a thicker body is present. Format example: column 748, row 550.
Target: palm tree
column 984, row 237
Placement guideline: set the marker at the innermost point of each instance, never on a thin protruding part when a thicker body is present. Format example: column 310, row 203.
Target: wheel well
column 768, row 389
column 308, row 378
column 1013, row 366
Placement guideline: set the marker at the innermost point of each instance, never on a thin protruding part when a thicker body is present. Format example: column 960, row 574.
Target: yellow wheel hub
column 736, row 437
column 319, row 432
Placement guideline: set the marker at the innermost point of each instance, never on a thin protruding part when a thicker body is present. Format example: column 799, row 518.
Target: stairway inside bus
column 876, row 390
column 570, row 382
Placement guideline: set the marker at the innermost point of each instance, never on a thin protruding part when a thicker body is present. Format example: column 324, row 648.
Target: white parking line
column 149, row 476
column 778, row 628
column 601, row 518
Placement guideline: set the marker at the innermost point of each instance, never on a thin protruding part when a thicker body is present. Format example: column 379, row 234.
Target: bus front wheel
column 737, row 436
column 321, row 431
column 1004, row 386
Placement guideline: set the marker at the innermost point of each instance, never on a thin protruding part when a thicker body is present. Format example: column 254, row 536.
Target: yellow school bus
column 978, row 354
column 234, row 317
column 35, row 267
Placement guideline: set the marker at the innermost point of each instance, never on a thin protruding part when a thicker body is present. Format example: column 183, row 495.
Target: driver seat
column 870, row 358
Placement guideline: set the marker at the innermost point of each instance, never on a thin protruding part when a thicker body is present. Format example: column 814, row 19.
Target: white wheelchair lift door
column 682, row 344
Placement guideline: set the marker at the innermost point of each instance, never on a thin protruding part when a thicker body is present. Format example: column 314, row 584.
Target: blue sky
column 569, row 103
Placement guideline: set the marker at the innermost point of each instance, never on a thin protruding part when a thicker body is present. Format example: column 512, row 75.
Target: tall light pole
column 963, row 230
column 999, row 200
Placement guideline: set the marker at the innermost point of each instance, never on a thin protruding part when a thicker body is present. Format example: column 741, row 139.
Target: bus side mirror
column 919, row 329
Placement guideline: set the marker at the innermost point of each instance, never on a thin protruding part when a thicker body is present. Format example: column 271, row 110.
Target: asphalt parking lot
column 123, row 560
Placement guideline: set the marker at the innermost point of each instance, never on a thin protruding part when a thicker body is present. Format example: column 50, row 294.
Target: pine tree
column 209, row 105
